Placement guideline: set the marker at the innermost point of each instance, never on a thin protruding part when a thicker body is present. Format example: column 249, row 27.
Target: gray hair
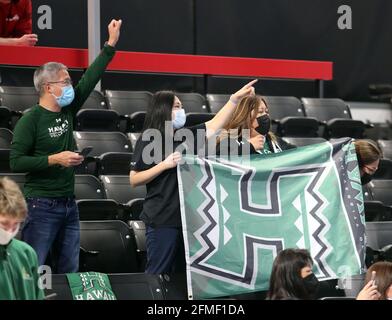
column 47, row 72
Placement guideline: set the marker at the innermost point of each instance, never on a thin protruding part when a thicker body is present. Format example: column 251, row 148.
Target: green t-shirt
column 40, row 133
column 19, row 272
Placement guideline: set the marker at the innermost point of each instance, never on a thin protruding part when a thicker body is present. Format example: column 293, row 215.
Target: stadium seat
column 217, row 101
column 288, row 117
column 108, row 247
column 381, row 191
column 386, row 148
column 352, row 285
column 300, row 142
column 367, row 194
column 5, row 138
column 125, row 286
column 114, row 163
column 384, row 171
column 5, row 160
column 139, row 229
column 98, row 209
column 133, row 136
column 18, row 178
column 18, row 98
column 193, row 102
column 335, row 115
column 127, row 102
column 96, row 100
column 102, row 142
column 5, row 117
column 97, row 120
column 134, row 208
column 195, row 118
column 376, row 115
column 379, row 234
column 376, row 211
column 119, row 188
column 136, row 121
column 88, row 187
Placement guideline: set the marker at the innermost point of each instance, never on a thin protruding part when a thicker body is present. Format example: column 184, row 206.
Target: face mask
column 67, row 96
column 311, row 284
column 366, row 178
column 264, row 124
column 6, row 237
column 179, row 118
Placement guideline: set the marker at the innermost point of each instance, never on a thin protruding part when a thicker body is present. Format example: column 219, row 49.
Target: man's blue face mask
column 66, row 97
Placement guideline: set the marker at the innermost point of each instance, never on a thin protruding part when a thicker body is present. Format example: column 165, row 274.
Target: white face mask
column 6, row 237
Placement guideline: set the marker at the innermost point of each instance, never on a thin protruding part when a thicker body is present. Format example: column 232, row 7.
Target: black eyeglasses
column 65, row 82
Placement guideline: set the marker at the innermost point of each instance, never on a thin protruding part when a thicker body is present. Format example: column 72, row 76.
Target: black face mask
column 264, row 124
column 366, row 178
column 311, row 284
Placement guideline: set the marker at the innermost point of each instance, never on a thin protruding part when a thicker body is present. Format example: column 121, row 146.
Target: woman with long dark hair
column 154, row 164
column 292, row 276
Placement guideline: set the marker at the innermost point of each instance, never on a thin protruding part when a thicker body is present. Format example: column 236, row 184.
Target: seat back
column 384, row 171
column 97, row 120
column 98, row 209
column 386, row 148
column 381, row 191
column 136, row 121
column 102, row 142
column 325, row 109
column 379, row 234
column 298, row 127
column 128, row 102
column 5, row 160
column 5, row 118
column 280, row 107
column 6, row 136
column 108, row 247
column 88, row 187
column 118, row 187
column 95, row 100
column 18, row 98
column 193, row 102
column 196, row 118
column 114, row 163
column 134, row 208
column 376, row 211
column 300, row 142
column 217, row 101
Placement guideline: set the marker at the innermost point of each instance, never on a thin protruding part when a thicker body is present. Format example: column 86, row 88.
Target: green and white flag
column 238, row 214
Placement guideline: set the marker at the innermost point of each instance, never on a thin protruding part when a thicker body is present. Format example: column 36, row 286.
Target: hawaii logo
column 59, row 130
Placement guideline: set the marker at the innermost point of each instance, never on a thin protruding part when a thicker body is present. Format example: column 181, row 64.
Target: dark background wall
column 286, row 29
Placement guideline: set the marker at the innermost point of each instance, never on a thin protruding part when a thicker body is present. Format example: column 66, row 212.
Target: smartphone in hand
column 85, row 151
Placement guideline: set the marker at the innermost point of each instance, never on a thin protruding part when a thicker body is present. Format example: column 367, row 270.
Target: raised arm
column 224, row 114
column 96, row 70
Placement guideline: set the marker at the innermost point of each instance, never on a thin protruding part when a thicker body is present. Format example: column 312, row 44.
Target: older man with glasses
column 43, row 147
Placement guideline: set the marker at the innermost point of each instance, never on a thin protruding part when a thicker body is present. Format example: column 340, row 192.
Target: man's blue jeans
column 52, row 226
